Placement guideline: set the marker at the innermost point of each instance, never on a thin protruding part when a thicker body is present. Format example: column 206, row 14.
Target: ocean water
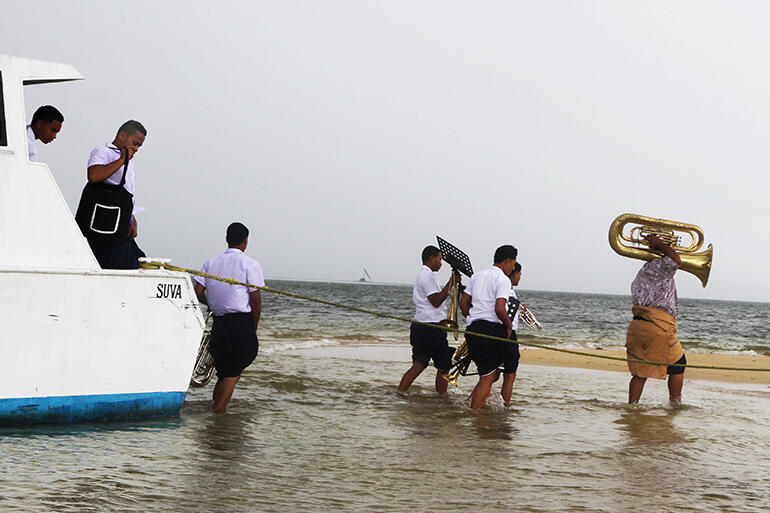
column 571, row 320
column 316, row 425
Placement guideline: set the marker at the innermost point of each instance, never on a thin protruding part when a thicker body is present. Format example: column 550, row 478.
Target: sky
column 348, row 134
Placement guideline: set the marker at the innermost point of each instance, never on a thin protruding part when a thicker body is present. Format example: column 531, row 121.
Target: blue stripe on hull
column 84, row 408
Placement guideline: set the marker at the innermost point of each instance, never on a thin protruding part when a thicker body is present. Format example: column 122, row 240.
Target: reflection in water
column 651, row 461
column 644, row 428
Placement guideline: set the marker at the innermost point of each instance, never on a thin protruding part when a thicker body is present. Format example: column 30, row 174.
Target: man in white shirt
column 105, row 164
column 484, row 304
column 45, row 126
column 429, row 342
column 236, row 308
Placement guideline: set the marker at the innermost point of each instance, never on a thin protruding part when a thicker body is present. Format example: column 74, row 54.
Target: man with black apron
column 111, row 165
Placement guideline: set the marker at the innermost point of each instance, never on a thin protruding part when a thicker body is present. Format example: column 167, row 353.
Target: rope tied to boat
column 153, row 264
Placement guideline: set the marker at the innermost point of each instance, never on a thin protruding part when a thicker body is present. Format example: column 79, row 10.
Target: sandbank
column 532, row 356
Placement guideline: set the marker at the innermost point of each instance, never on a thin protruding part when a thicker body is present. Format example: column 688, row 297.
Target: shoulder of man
column 103, row 155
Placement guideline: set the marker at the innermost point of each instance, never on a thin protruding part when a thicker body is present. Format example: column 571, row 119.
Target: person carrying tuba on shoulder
column 652, row 334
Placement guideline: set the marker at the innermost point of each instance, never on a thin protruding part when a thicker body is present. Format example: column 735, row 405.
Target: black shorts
column 234, row 344
column 487, row 354
column 677, row 370
column 430, row 343
column 511, row 356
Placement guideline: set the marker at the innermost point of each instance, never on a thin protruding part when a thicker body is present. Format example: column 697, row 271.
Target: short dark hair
column 505, row 252
column 47, row 113
column 429, row 252
column 131, row 127
column 516, row 269
column 236, row 234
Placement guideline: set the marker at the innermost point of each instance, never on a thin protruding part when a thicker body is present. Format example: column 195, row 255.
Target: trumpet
column 527, row 317
column 693, row 262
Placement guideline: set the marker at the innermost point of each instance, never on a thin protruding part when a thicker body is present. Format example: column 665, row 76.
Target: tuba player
column 652, row 332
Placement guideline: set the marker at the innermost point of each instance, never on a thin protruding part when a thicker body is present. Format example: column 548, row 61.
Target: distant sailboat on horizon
column 366, row 276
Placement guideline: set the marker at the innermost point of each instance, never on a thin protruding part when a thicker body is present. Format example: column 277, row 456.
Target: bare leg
column 635, row 388
column 223, row 391
column 481, row 392
column 410, row 376
column 675, row 382
column 441, row 383
column 506, row 391
column 497, row 376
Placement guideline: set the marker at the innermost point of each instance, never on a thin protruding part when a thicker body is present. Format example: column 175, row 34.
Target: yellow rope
column 170, row 267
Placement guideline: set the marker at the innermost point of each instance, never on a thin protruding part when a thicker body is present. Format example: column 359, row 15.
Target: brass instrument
column 460, row 366
column 204, row 362
column 527, row 317
column 695, row 263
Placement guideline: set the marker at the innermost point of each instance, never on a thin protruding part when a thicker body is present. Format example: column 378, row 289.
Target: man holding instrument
column 652, row 332
column 488, row 291
column 236, row 308
column 429, row 342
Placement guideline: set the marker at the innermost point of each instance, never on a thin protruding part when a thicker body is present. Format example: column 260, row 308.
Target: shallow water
column 316, row 433
column 323, row 430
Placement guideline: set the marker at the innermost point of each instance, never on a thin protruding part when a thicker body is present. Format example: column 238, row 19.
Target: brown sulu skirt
column 652, row 337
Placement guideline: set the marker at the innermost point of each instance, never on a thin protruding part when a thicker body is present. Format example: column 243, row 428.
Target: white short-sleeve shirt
column 485, row 288
column 108, row 154
column 31, row 144
column 426, row 285
column 222, row 297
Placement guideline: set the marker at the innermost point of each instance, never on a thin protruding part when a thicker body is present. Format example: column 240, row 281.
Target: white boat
column 78, row 343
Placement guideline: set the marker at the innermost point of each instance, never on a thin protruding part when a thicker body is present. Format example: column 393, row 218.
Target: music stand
column 455, row 257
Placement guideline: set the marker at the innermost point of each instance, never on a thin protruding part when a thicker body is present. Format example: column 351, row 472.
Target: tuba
column 204, row 362
column 461, row 363
column 693, row 262
column 454, row 292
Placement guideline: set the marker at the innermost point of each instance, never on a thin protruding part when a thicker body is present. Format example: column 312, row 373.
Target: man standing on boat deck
column 236, row 308
column 652, row 332
column 485, row 306
column 428, row 342
column 105, row 164
column 45, row 126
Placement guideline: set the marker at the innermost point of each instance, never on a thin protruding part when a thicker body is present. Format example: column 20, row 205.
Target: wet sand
column 531, row 356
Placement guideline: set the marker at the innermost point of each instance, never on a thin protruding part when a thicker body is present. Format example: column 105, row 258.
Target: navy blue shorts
column 511, row 356
column 234, row 344
column 486, row 353
column 677, row 370
column 430, row 343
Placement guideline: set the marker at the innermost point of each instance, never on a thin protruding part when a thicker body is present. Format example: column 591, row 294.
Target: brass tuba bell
column 693, row 262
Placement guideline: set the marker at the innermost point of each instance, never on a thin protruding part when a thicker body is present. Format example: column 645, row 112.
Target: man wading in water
column 236, row 309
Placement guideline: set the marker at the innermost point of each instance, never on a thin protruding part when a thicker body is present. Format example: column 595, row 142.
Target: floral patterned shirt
column 654, row 286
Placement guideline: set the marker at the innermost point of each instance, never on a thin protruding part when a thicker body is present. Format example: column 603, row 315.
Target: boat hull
column 102, row 345
column 88, row 408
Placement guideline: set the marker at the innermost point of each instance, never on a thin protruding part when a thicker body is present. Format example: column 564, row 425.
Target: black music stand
column 454, row 257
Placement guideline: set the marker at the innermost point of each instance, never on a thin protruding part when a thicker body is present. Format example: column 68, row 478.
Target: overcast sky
column 350, row 133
